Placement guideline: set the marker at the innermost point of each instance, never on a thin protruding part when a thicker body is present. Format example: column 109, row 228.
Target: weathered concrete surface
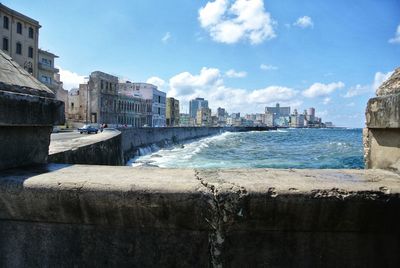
column 381, row 137
column 383, row 112
column 27, row 112
column 100, row 149
column 390, row 86
column 119, row 216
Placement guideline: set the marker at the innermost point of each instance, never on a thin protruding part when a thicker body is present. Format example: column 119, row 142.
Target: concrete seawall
column 135, row 138
column 100, row 149
column 78, row 216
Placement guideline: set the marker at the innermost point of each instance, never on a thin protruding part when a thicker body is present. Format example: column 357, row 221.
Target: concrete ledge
column 100, row 149
column 383, row 112
column 27, row 110
column 99, row 215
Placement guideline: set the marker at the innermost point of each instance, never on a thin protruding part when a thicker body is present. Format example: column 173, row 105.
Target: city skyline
column 330, row 56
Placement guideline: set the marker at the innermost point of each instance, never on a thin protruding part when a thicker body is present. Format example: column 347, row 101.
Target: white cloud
column 70, row 79
column 321, row 114
column 210, row 85
column 233, row 74
column 157, row 81
column 380, row 78
column 326, row 100
column 319, row 89
column 266, row 67
column 304, row 22
column 357, row 90
column 231, row 21
column 166, row 37
column 396, row 38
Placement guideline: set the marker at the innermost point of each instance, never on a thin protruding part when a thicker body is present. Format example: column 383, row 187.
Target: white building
column 149, row 92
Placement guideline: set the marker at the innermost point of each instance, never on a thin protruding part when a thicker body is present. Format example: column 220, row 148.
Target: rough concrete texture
column 382, row 148
column 383, row 112
column 15, row 79
column 101, row 149
column 30, row 148
column 120, row 216
column 27, row 112
column 390, row 86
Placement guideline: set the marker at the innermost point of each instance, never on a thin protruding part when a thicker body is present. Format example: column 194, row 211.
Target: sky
column 242, row 55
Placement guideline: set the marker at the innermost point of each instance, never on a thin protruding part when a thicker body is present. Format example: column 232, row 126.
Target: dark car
column 88, row 129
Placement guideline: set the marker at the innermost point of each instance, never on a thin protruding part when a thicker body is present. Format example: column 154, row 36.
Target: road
column 67, row 136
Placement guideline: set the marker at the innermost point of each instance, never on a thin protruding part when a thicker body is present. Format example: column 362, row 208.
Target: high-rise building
column 278, row 111
column 172, row 114
column 195, row 105
column 20, row 38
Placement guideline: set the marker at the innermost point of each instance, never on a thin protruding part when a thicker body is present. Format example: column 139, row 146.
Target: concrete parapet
column 27, row 112
column 77, row 216
column 100, row 149
column 382, row 133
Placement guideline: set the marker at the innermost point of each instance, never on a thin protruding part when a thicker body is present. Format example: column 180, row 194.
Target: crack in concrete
column 226, row 205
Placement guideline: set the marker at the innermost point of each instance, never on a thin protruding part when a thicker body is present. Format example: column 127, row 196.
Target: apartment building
column 172, row 114
column 20, row 38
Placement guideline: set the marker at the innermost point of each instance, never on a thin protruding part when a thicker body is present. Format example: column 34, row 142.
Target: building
column 278, row 111
column 297, row 120
column 172, row 112
column 185, row 120
column 46, row 70
column 102, row 98
column 155, row 101
column 203, row 117
column 221, row 116
column 131, row 110
column 20, row 38
column 195, row 105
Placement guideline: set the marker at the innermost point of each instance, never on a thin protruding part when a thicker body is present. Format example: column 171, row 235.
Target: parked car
column 88, row 129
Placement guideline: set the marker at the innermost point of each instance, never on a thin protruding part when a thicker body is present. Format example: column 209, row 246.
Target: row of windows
column 18, row 48
column 134, row 121
column 131, row 106
column 107, row 84
column 6, row 25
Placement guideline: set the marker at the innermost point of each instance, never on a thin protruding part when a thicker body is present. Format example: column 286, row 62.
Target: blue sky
column 239, row 54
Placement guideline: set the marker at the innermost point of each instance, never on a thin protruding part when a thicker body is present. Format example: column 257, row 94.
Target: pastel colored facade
column 172, row 114
column 20, row 38
column 203, row 117
column 185, row 120
column 158, row 103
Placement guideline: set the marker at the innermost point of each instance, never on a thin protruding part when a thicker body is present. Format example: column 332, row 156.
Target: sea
column 330, row 148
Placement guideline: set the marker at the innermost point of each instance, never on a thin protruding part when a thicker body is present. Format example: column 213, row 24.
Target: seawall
column 102, row 216
column 99, row 149
column 135, row 138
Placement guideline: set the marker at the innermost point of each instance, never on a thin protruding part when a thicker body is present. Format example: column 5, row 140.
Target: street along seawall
column 116, row 147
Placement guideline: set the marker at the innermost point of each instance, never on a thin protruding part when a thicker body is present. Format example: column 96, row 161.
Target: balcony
column 46, row 67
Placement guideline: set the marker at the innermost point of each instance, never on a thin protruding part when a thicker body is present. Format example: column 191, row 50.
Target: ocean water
column 283, row 148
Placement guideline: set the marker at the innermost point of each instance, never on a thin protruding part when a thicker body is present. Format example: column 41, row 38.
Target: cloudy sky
column 238, row 54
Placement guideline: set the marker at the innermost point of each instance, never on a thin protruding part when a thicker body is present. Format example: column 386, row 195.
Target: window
column 30, row 52
column 46, row 79
column 30, row 32
column 5, row 44
column 19, row 27
column 5, row 22
column 101, row 84
column 19, row 49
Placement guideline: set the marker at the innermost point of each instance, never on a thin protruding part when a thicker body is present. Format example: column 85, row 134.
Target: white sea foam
column 179, row 154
